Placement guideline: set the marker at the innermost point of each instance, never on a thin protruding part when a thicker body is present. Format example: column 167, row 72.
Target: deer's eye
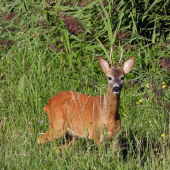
column 109, row 78
column 122, row 78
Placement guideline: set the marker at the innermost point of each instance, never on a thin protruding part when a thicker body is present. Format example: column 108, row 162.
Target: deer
column 83, row 116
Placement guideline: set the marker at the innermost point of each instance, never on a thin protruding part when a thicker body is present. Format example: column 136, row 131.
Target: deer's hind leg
column 54, row 132
column 47, row 136
column 56, row 125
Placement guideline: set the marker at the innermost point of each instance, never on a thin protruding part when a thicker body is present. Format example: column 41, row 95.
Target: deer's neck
column 112, row 104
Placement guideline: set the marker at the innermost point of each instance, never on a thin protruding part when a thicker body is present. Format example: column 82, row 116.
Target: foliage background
column 52, row 46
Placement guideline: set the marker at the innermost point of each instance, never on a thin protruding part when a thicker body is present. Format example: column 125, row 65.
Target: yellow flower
column 156, row 149
column 164, row 86
column 163, row 82
column 8, row 140
column 141, row 100
column 163, row 135
column 147, row 85
column 137, row 103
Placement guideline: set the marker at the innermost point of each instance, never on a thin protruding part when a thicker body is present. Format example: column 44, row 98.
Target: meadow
column 51, row 46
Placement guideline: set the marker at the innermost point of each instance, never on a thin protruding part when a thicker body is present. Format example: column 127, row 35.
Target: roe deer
column 87, row 116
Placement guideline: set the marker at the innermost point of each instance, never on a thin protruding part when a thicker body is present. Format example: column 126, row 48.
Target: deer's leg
column 66, row 147
column 45, row 137
column 72, row 141
column 55, row 131
column 98, row 138
column 50, row 135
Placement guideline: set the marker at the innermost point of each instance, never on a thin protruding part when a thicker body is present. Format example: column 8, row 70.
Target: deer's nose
column 116, row 89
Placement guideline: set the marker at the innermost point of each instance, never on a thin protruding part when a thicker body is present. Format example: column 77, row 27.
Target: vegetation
column 52, row 46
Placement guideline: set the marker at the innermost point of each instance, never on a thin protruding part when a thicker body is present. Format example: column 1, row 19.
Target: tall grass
column 52, row 46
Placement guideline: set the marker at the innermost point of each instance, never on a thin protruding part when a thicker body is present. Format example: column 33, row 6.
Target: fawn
column 87, row 116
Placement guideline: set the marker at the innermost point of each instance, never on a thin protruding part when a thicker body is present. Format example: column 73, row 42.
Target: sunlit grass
column 42, row 58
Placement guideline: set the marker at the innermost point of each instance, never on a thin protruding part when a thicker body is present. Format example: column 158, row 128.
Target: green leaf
column 21, row 84
column 154, row 32
column 150, row 8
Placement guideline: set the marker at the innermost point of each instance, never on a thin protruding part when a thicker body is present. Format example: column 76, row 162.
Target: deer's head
column 116, row 74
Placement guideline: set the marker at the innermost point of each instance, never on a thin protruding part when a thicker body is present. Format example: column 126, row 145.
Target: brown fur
column 87, row 116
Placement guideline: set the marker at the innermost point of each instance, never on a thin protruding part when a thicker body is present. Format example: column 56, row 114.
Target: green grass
column 32, row 72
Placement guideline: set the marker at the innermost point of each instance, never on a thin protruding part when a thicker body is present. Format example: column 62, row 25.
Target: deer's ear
column 128, row 64
column 104, row 65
